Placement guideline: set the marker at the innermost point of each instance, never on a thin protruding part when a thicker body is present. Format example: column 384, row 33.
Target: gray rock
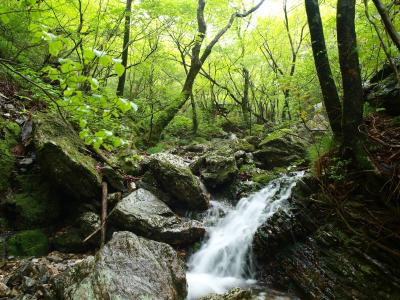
column 144, row 214
column 174, row 178
column 128, row 267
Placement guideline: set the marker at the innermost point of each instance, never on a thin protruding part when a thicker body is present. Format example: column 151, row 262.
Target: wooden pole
column 103, row 212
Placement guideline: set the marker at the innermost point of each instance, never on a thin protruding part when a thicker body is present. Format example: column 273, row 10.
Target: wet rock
column 215, row 170
column 144, row 214
column 128, row 267
column 234, row 294
column 174, row 178
column 280, row 152
column 62, row 157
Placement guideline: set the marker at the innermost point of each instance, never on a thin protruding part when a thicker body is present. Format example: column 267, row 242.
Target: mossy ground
column 27, row 243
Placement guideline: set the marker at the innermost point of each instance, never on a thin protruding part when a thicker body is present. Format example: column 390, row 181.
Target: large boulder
column 62, row 158
column 279, row 152
column 127, row 267
column 215, row 170
column 383, row 90
column 174, row 178
column 144, row 214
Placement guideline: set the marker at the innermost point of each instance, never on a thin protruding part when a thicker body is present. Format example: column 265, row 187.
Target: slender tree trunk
column 195, row 121
column 125, row 47
column 351, row 78
column 394, row 35
column 245, row 99
column 328, row 87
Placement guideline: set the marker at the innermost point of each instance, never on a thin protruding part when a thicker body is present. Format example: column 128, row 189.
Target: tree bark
column 328, row 87
column 351, row 78
column 394, row 35
column 125, row 47
column 245, row 99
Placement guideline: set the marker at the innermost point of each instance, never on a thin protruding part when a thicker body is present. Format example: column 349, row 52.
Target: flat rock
column 144, row 214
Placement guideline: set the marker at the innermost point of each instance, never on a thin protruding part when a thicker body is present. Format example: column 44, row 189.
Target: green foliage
column 181, row 126
column 337, row 169
column 322, row 145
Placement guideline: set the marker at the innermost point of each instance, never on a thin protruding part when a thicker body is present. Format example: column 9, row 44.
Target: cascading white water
column 223, row 260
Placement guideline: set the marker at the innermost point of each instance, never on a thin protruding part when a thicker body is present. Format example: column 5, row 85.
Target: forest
column 209, row 149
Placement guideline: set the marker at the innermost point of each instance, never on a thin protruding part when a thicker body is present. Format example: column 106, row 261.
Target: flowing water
column 224, row 259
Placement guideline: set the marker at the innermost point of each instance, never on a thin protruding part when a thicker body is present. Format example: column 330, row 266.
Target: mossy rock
column 9, row 133
column 35, row 205
column 175, row 178
column 28, row 243
column 215, row 170
column 62, row 157
column 32, row 209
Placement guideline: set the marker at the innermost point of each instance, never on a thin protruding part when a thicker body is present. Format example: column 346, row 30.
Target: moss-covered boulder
column 27, row 243
column 62, row 158
column 31, row 209
column 174, row 177
column 144, row 214
column 9, row 134
column 279, row 151
column 215, row 170
column 127, row 267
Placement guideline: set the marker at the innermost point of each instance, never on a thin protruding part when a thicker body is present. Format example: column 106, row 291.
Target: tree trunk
column 195, row 121
column 328, row 87
column 394, row 35
column 245, row 99
column 125, row 47
column 351, row 78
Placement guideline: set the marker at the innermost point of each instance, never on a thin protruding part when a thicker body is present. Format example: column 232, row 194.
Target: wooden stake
column 103, row 212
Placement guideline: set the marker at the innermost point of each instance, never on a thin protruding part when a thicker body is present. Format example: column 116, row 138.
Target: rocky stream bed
column 50, row 188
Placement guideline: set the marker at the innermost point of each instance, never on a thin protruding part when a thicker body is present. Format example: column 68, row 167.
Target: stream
column 224, row 260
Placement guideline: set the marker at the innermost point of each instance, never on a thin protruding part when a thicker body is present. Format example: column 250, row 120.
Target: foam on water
column 224, row 259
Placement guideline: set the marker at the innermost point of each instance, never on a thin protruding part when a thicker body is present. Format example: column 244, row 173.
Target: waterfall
column 224, row 259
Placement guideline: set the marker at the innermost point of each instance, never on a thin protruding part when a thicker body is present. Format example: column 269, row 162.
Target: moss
column 62, row 157
column 28, row 243
column 69, row 240
column 32, row 209
column 277, row 134
column 34, row 206
column 9, row 132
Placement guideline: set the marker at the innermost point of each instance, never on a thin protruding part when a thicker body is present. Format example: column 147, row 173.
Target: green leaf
column 119, row 69
column 105, row 60
column 55, row 47
column 82, row 123
column 88, row 54
column 4, row 19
